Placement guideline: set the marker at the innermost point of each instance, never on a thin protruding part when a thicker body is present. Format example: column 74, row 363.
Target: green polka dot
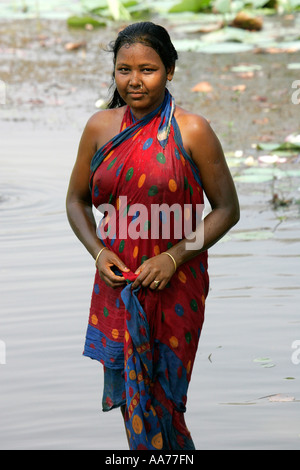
column 193, row 272
column 112, row 163
column 191, row 190
column 126, row 210
column 129, row 174
column 194, row 305
column 105, row 312
column 161, row 158
column 144, row 258
column 110, row 198
column 108, row 230
column 147, row 225
column 163, row 316
column 186, row 183
column 153, row 191
column 170, row 244
column 177, row 214
column 188, row 337
column 121, row 246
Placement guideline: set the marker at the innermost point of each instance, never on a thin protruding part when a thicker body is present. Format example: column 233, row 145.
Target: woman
column 145, row 162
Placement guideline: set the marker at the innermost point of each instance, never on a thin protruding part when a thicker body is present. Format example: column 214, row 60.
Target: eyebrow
column 119, row 64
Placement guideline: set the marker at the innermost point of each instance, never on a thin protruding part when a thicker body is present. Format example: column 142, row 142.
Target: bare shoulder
column 103, row 125
column 190, row 122
column 196, row 132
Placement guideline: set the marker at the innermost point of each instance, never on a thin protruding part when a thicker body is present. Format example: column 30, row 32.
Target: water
column 50, row 396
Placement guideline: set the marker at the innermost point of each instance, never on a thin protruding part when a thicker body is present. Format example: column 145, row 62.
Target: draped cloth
column 148, row 188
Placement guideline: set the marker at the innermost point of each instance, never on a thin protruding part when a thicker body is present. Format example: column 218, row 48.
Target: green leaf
column 272, row 146
column 117, row 10
column 222, row 6
column 81, row 22
column 190, row 5
column 254, row 235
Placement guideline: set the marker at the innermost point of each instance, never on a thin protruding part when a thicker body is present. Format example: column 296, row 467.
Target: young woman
column 146, row 162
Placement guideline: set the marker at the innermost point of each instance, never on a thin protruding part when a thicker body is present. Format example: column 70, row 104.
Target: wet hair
column 149, row 34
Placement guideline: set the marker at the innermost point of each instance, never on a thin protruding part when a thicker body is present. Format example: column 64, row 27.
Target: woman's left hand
column 155, row 273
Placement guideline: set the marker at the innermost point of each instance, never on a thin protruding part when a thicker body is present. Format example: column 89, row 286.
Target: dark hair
column 149, row 34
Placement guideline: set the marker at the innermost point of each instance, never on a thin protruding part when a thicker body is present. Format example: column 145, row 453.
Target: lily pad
column 254, row 235
column 190, row 5
column 294, row 66
column 81, row 22
column 246, row 68
column 259, row 175
column 273, row 146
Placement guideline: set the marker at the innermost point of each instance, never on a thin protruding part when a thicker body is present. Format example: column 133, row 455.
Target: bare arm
column 206, row 151
column 79, row 206
column 204, row 147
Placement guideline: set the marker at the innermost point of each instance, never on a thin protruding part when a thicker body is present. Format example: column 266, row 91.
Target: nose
column 135, row 80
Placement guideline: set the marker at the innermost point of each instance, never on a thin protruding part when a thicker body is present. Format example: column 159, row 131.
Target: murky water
column 49, row 394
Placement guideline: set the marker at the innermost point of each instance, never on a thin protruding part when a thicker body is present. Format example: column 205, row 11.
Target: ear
column 170, row 73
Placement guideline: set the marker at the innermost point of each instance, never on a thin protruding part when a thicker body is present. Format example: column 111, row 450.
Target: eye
column 148, row 70
column 123, row 70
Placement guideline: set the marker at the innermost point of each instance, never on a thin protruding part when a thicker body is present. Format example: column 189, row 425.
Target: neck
column 140, row 113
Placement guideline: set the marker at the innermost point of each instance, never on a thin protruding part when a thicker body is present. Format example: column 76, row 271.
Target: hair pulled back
column 149, row 34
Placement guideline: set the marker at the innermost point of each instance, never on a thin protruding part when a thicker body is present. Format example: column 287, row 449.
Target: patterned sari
column 147, row 339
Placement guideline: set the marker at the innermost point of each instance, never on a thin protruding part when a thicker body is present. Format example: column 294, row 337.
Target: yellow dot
column 188, row 367
column 137, row 424
column 141, row 180
column 126, row 336
column 182, row 277
column 172, row 185
column 115, row 334
column 94, row 320
column 157, row 441
column 156, row 250
column 108, row 156
column 187, row 213
column 135, row 251
column 132, row 375
column 173, row 342
column 203, row 300
column 138, row 133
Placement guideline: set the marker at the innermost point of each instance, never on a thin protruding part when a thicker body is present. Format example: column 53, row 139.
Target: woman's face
column 141, row 78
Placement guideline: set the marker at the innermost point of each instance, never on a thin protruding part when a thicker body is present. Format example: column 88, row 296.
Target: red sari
column 147, row 340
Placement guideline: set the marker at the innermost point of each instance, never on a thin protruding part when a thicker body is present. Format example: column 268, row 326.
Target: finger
column 114, row 283
column 139, row 280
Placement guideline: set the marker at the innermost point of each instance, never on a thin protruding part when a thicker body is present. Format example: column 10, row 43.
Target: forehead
column 137, row 52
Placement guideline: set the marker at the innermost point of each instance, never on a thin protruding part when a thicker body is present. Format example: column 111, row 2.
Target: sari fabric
column 147, row 339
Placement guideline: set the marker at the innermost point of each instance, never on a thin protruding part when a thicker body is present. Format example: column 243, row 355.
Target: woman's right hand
column 106, row 261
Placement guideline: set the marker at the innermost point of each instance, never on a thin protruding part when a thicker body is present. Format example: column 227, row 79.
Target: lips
column 136, row 93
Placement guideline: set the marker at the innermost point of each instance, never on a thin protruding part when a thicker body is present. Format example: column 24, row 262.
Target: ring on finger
column 156, row 283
